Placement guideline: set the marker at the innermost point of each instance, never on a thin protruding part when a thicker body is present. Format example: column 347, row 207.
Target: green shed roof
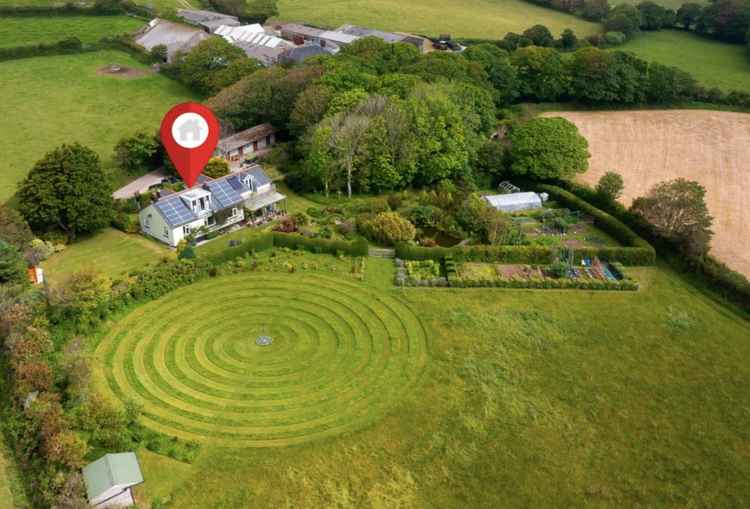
column 111, row 470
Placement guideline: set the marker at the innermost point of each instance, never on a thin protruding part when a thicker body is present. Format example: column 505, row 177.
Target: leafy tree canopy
column 67, row 190
column 548, row 148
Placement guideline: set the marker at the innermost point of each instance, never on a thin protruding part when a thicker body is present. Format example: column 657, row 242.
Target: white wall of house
column 154, row 225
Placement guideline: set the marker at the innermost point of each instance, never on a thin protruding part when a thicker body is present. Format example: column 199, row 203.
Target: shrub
column 390, row 228
column 358, row 247
column 128, row 223
column 614, row 38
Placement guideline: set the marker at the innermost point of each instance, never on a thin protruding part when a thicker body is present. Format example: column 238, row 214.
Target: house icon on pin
column 190, row 131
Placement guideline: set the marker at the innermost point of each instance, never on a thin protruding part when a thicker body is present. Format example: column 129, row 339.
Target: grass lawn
column 30, row 30
column 61, row 99
column 712, row 63
column 552, row 398
column 468, row 18
column 110, row 251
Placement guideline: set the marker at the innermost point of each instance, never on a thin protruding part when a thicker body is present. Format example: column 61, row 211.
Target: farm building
column 516, row 202
column 301, row 53
column 244, row 143
column 175, row 36
column 300, row 34
column 207, row 20
column 110, row 479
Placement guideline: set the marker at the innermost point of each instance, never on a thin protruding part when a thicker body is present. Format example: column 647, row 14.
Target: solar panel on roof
column 224, row 194
column 175, row 211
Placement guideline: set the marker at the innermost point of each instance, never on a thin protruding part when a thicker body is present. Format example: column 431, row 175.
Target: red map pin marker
column 189, row 132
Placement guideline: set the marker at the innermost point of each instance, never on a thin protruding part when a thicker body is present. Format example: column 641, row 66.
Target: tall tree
column 677, row 210
column 610, row 186
column 542, row 73
column 13, row 228
column 501, row 74
column 68, row 191
column 138, row 153
column 548, row 148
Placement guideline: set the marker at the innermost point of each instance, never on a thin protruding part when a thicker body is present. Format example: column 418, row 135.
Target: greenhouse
column 515, row 202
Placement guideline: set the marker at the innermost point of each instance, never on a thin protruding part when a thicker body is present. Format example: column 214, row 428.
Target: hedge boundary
column 636, row 250
column 269, row 240
column 730, row 285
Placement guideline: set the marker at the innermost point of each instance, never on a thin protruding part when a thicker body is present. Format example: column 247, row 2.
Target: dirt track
column 711, row 147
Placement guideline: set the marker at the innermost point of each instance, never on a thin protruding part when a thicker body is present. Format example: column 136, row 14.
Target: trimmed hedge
column 269, row 240
column 485, row 253
column 63, row 47
column 547, row 284
column 731, row 285
column 357, row 247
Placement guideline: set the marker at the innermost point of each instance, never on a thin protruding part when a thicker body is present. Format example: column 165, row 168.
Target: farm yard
column 470, row 18
column 89, row 29
column 712, row 63
column 497, row 373
column 647, row 147
column 93, row 109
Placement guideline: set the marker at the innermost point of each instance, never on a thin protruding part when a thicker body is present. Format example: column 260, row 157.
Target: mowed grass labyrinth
column 342, row 356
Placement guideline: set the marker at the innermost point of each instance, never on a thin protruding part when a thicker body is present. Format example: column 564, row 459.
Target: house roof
column 201, row 16
column 239, row 31
column 175, row 36
column 338, row 37
column 301, row 29
column 266, row 56
column 224, row 195
column 225, row 192
column 111, row 470
column 302, row 53
column 245, row 137
column 370, row 32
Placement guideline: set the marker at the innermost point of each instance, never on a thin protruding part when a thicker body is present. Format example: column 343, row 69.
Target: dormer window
column 248, row 181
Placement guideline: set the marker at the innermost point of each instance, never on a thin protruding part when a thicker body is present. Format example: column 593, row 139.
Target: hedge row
column 357, row 247
column 63, row 47
column 539, row 255
column 731, row 285
column 602, row 220
column 268, row 240
column 546, row 284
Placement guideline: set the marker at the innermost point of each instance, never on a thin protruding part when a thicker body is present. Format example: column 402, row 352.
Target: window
column 147, row 222
column 166, row 233
column 186, row 230
column 268, row 140
column 210, row 221
column 235, row 212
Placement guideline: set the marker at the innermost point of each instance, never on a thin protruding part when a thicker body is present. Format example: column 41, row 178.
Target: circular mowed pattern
column 342, row 355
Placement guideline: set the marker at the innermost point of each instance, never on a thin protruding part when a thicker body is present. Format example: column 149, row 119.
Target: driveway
column 140, row 185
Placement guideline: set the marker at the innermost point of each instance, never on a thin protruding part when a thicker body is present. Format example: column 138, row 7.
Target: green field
column 469, row 18
column 342, row 356
column 110, row 252
column 61, row 99
column 32, row 30
column 712, row 63
column 551, row 398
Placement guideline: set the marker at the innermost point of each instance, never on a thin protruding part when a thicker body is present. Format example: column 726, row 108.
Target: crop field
column 91, row 109
column 580, row 398
column 341, row 356
column 110, row 252
column 712, row 63
column 647, row 147
column 468, row 18
column 20, row 31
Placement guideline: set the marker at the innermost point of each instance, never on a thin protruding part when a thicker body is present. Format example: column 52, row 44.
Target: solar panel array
column 175, row 211
column 223, row 194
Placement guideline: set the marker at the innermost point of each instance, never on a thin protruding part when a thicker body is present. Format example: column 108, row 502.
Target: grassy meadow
column 712, row 63
column 110, row 252
column 551, row 398
column 62, row 99
column 469, row 18
column 22, row 31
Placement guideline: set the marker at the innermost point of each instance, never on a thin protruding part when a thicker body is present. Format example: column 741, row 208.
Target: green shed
column 110, row 479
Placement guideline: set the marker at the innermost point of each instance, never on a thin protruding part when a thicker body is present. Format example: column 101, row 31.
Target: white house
column 210, row 206
column 110, row 479
column 515, row 202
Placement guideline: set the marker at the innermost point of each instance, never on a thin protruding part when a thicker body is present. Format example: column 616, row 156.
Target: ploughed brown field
column 647, row 147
